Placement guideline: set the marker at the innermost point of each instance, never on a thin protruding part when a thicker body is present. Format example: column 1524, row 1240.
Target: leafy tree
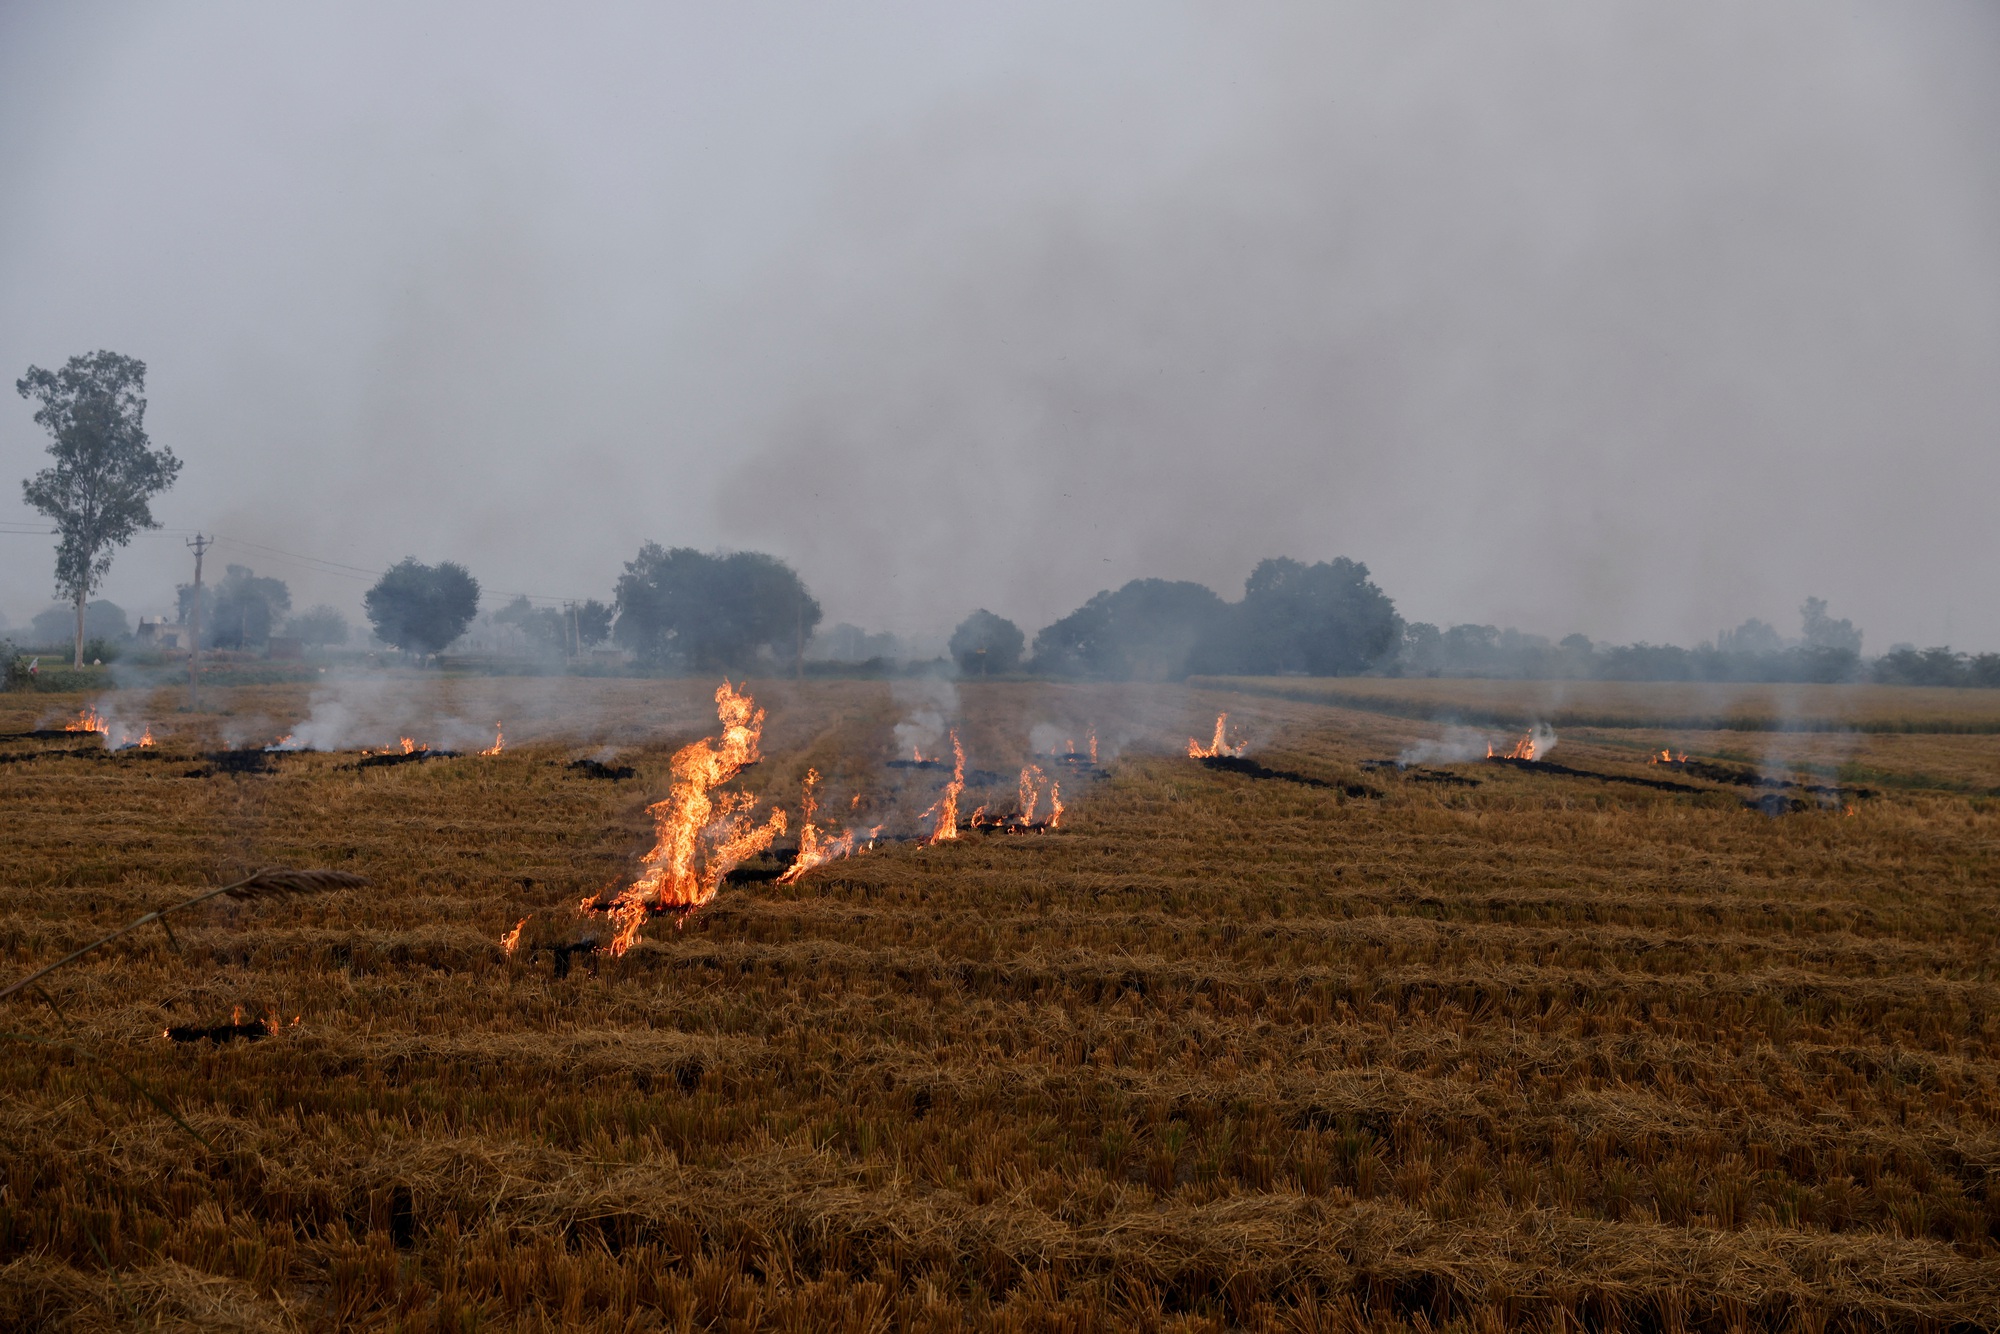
column 421, row 608
column 318, row 626
column 1752, row 637
column 239, row 610
column 1823, row 632
column 593, row 622
column 687, row 609
column 984, row 644
column 100, row 490
column 546, row 628
column 101, row 620
column 1327, row 619
column 1147, row 630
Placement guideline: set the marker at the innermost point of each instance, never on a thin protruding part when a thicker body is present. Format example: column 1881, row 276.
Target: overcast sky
column 1630, row 319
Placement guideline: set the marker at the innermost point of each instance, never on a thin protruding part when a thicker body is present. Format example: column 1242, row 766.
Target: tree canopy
column 1326, row 619
column 100, row 488
column 317, row 626
column 101, row 620
column 688, row 610
column 985, row 644
column 422, row 608
column 1148, row 630
column 240, row 609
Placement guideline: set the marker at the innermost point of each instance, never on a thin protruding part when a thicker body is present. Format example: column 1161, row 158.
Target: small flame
column 499, row 741
column 1055, row 805
column 1219, row 746
column 1538, row 742
column 409, row 746
column 702, row 835
column 815, row 849
column 1668, row 757
column 1093, row 746
column 236, row 1015
column 513, row 938
column 146, row 738
column 88, row 720
column 947, row 805
column 285, row 742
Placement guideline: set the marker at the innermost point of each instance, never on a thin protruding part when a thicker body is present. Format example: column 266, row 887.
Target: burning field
column 688, row 1007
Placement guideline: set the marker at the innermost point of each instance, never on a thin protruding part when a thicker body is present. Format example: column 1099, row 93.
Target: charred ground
column 1229, row 1049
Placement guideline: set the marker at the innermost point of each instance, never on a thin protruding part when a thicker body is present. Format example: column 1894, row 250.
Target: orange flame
column 1031, row 783
column 947, row 805
column 513, row 938
column 702, row 835
column 1537, row 743
column 1093, row 745
column 499, row 741
column 1668, row 757
column 88, row 720
column 1055, row 805
column 814, row 848
column 147, row 738
column 409, row 746
column 1219, row 746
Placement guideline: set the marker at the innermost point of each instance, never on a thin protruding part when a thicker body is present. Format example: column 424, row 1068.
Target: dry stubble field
column 1469, row 1046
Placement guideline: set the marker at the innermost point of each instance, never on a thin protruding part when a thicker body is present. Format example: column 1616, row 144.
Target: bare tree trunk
column 79, row 630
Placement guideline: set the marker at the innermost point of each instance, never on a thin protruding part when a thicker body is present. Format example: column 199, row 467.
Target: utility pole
column 198, row 544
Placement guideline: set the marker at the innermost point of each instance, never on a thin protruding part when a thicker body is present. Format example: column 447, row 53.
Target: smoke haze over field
column 1634, row 320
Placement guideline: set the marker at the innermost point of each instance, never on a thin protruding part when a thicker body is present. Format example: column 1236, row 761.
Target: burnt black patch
column 1251, row 769
column 241, row 762
column 404, row 757
column 249, row 1032
column 611, row 773
column 1563, row 770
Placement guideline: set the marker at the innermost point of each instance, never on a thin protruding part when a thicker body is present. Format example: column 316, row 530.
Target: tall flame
column 1093, row 745
column 499, row 741
column 947, row 805
column 815, row 849
column 1219, row 746
column 512, row 939
column 1031, row 782
column 702, row 834
column 1055, row 805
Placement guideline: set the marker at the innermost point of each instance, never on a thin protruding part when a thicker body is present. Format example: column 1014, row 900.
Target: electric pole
column 198, row 544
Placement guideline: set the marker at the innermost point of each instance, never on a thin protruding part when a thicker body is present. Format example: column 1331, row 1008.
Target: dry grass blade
column 274, row 882
column 277, row 883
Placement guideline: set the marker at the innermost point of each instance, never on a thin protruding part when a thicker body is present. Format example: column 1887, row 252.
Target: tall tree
column 106, row 473
column 694, row 611
column 317, row 626
column 984, row 644
column 422, row 608
column 1148, row 631
column 1327, row 619
column 239, row 611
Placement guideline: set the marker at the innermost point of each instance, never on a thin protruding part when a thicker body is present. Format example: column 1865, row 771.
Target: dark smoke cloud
column 1627, row 319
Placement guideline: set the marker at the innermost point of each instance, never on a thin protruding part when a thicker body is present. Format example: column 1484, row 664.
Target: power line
column 316, row 564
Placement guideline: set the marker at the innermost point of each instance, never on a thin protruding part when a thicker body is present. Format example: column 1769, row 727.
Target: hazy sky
column 1629, row 319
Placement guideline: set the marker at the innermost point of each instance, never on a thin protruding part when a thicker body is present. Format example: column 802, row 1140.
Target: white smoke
column 929, row 703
